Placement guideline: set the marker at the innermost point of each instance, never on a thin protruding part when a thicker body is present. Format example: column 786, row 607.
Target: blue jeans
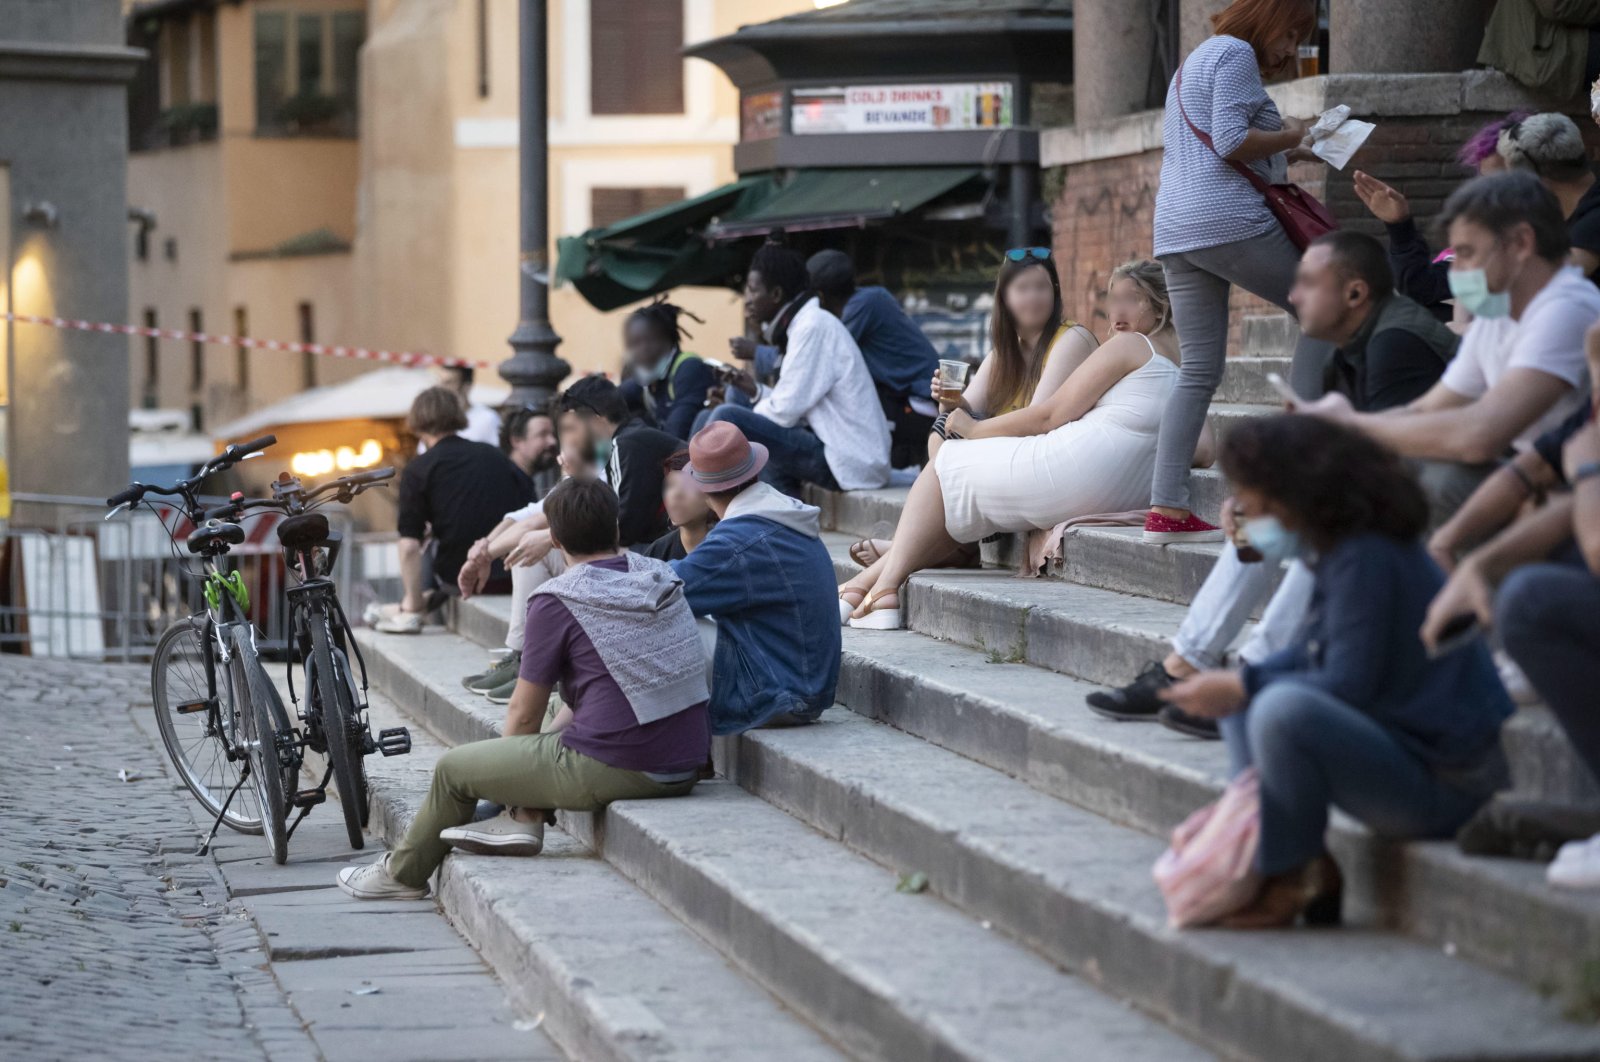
column 1315, row 752
column 1548, row 616
column 735, row 398
column 795, row 455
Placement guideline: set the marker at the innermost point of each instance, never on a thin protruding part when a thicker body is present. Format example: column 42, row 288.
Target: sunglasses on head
column 1022, row 254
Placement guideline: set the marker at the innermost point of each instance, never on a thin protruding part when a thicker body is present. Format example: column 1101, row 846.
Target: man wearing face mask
column 631, row 452
column 1521, row 368
column 669, row 384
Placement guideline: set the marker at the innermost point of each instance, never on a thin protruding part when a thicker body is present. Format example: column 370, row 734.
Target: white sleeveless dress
column 1100, row 463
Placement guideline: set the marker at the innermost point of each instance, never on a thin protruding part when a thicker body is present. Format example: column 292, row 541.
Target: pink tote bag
column 1209, row 872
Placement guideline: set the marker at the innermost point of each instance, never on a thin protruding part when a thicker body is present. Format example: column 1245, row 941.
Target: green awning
column 659, row 250
column 690, row 243
column 834, row 199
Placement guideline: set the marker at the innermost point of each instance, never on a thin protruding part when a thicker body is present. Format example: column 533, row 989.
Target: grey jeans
column 1198, row 283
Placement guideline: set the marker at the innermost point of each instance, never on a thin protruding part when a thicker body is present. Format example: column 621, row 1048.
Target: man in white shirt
column 822, row 423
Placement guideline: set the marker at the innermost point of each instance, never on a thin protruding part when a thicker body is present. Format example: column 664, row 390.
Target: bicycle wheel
column 341, row 660
column 259, row 728
column 339, row 722
column 197, row 742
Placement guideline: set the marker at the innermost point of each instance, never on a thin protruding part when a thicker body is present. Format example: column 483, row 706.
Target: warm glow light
column 345, row 459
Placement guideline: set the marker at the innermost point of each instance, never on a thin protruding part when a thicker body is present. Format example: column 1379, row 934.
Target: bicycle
column 224, row 727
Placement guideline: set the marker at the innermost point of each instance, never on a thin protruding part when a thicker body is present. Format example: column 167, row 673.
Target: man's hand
column 1301, row 126
column 1331, row 406
column 1230, row 522
column 1442, row 547
column 1210, row 694
column 1582, row 449
column 744, row 381
column 1386, row 204
column 742, row 348
column 1466, row 593
column 474, row 572
column 1304, row 154
column 531, row 548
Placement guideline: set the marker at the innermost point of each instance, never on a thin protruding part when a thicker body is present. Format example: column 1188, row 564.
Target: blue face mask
column 1471, row 289
column 1275, row 542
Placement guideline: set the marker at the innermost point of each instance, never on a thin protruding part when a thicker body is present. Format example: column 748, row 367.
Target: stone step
column 1244, row 379
column 1077, row 888
column 1107, row 638
column 1268, row 335
column 1032, row 725
column 886, row 974
column 616, row 976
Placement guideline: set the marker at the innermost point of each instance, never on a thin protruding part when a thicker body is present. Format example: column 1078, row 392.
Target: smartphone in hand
column 1456, row 634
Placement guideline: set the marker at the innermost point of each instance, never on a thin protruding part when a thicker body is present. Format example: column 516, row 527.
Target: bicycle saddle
column 303, row 531
column 215, row 537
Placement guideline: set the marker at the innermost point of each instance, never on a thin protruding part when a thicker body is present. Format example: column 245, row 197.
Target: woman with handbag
column 1225, row 217
column 1354, row 714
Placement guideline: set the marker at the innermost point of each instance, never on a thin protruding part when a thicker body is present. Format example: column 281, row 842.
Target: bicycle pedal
column 396, row 741
column 309, row 798
column 191, row 707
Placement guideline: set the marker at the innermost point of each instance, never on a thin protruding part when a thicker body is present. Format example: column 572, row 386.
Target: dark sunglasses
column 1022, row 254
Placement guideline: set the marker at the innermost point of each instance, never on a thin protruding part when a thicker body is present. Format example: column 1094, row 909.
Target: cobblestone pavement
column 117, row 941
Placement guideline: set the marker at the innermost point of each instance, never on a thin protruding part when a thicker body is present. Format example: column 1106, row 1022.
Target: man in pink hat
column 764, row 575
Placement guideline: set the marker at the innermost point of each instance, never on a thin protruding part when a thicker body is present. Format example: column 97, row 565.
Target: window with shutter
column 635, row 60
column 607, row 206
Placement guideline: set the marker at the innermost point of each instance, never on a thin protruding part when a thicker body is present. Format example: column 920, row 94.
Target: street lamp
column 533, row 370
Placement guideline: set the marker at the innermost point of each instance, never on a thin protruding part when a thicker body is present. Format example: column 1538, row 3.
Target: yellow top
column 1025, row 394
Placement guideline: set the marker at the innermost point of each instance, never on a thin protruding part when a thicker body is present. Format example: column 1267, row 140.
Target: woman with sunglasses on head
column 1086, row 448
column 1214, row 231
column 1034, row 348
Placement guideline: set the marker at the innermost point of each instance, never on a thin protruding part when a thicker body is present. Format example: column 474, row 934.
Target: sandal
column 869, row 551
column 877, row 619
column 846, row 608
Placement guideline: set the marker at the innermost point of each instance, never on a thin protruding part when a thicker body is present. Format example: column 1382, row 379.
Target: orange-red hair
column 1259, row 22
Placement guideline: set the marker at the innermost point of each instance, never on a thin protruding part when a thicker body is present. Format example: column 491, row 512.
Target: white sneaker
column 1576, row 866
column 400, row 623
column 377, row 610
column 501, row 835
column 372, row 881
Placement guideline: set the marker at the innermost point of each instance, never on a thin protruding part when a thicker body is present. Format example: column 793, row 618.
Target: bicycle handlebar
column 227, row 459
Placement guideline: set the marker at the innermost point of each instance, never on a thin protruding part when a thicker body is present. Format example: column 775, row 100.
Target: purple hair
column 1486, row 141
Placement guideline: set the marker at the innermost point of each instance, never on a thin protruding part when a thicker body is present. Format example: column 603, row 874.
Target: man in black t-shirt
column 454, row 493
column 633, row 454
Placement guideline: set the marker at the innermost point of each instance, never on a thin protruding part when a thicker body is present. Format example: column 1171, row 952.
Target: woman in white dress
column 1089, row 448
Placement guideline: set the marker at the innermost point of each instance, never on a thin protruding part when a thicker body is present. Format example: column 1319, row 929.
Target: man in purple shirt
column 617, row 634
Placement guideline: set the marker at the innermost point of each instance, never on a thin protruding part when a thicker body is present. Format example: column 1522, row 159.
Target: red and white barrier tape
column 360, row 353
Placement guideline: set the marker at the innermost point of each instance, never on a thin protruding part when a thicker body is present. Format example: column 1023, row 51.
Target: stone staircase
column 760, row 917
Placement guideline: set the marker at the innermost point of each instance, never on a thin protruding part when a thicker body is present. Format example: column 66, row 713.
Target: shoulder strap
column 672, row 370
column 1246, row 172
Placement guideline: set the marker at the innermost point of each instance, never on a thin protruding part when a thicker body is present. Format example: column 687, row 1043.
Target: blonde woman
column 1089, row 448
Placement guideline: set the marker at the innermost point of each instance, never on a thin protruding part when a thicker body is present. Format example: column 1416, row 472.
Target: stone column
column 1195, row 22
column 1112, row 43
column 1404, row 36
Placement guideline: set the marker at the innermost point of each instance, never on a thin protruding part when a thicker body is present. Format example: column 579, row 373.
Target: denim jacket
column 764, row 575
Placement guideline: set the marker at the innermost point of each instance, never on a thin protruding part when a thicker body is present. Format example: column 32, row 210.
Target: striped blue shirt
column 1202, row 201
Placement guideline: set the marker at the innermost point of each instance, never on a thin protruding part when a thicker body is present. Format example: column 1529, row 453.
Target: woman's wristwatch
column 1585, row 471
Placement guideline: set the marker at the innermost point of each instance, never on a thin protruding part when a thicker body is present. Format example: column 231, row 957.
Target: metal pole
column 533, row 371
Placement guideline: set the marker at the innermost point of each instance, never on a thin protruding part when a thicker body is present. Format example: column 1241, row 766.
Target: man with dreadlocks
column 668, row 384
column 821, row 423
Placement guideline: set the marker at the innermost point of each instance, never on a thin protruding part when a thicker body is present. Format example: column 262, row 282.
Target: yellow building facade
column 345, row 172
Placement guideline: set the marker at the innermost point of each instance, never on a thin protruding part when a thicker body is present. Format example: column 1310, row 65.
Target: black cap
column 831, row 270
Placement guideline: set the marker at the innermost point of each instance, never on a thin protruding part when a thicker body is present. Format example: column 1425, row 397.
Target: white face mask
column 658, row 372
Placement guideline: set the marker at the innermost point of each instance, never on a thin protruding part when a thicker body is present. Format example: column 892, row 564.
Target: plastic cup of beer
column 1310, row 60
column 952, row 379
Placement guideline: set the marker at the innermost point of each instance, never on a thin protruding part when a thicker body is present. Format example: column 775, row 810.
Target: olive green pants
column 527, row 771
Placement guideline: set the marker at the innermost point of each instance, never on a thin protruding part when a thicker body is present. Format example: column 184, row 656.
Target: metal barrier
column 73, row 584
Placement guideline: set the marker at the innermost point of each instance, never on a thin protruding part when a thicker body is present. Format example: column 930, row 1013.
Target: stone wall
column 1101, row 179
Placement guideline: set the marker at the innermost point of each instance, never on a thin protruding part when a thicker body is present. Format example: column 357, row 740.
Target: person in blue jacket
column 669, row 384
column 1355, row 713
column 764, row 575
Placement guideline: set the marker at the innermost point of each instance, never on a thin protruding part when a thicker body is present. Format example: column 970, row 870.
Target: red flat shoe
column 1164, row 530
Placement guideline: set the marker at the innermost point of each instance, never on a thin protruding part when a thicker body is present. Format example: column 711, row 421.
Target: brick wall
column 1104, row 211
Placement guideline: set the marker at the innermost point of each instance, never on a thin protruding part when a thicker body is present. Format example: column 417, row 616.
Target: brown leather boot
column 1315, row 892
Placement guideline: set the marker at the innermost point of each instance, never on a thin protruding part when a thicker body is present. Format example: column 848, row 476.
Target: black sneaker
column 1139, row 701
column 1197, row 726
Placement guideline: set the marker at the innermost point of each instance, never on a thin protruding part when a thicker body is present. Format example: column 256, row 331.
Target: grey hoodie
column 642, row 627
column 770, row 503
